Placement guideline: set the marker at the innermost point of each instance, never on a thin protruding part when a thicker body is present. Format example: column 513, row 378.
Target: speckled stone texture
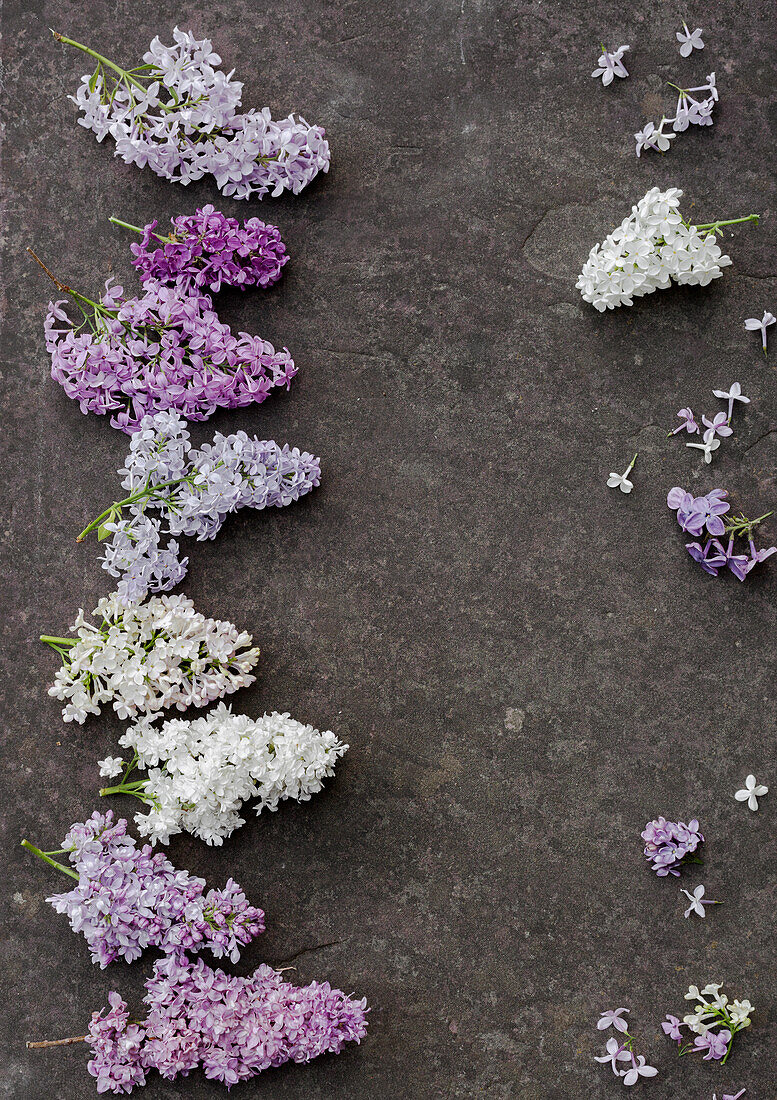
column 526, row 664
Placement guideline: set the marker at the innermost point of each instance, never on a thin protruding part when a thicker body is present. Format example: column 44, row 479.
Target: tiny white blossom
column 639, row 1068
column 610, row 65
column 710, row 444
column 751, row 792
column 753, row 323
column 110, row 766
column 621, row 481
column 698, row 902
column 689, row 40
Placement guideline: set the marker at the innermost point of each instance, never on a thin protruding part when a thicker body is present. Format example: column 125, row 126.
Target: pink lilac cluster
column 669, row 844
column 163, row 349
column 180, row 114
column 191, row 491
column 232, row 1027
column 129, row 898
column 208, row 250
column 703, row 516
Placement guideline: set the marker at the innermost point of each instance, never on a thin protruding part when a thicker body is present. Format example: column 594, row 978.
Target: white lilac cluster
column 192, row 491
column 147, row 656
column 649, row 250
column 201, row 772
column 690, row 111
column 180, row 114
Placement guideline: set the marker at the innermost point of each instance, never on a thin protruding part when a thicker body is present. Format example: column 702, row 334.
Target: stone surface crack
column 760, row 439
column 305, row 951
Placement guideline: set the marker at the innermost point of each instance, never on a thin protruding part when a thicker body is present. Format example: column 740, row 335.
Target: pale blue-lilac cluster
column 163, row 349
column 207, row 250
column 702, row 517
column 180, row 114
column 127, row 899
column 175, row 489
column 619, row 1050
column 670, row 844
column 711, row 1027
column 231, row 1027
column 694, row 108
column 716, row 428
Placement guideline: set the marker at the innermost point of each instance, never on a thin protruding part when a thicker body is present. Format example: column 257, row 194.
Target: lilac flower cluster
column 669, row 844
column 128, row 898
column 233, row 1027
column 179, row 114
column 207, row 250
column 719, row 427
column 702, row 515
column 620, row 1050
column 690, row 111
column 193, row 490
column 713, row 1023
column 163, row 349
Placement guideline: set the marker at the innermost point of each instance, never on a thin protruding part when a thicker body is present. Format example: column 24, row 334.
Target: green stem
column 47, row 859
column 133, row 499
column 125, row 788
column 49, row 639
column 715, row 226
column 136, row 228
column 99, row 57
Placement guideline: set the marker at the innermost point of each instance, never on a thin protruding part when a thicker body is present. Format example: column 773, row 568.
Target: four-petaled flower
column 621, row 481
column 610, row 65
column 728, row 1096
column 714, row 1042
column 111, row 766
column 616, row 1052
column 718, row 425
column 639, row 1068
column 732, row 395
column 689, row 40
column 613, row 1018
column 753, row 324
column 653, row 138
column 710, row 444
column 688, row 422
column 751, row 792
column 671, row 1027
column 698, row 902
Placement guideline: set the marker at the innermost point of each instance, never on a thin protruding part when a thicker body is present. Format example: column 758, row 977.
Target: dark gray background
column 526, row 664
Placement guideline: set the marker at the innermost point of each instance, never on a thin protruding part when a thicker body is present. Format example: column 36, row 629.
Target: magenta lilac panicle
column 233, row 1027
column 669, row 844
column 128, row 898
column 704, row 516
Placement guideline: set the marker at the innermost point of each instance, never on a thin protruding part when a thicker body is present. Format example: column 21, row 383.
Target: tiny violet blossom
column 688, row 422
column 714, row 1042
column 728, row 1096
column 753, row 323
column 689, row 40
column 698, row 901
column 717, row 426
column 671, row 1027
column 613, row 1017
column 111, row 766
column 621, row 481
column 639, row 1068
column 616, row 1052
column 610, row 65
column 653, row 138
column 709, row 445
column 734, row 393
column 751, row 792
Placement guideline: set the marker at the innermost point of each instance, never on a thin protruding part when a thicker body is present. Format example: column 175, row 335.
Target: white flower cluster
column 709, row 1013
column 147, row 656
column 200, row 772
column 648, row 250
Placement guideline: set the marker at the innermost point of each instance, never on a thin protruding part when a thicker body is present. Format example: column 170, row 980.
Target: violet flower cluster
column 713, row 1023
column 149, row 656
column 175, row 489
column 180, row 114
column 207, row 250
column 162, row 349
column 670, row 844
column 232, row 1027
column 703, row 516
column 128, row 898
column 694, row 108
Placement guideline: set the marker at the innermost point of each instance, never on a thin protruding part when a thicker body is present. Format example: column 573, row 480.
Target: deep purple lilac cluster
column 668, row 844
column 232, row 1027
column 703, row 516
column 163, row 349
column 207, row 250
column 129, row 898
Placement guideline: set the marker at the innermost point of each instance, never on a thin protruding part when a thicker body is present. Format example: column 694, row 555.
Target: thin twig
column 56, row 1042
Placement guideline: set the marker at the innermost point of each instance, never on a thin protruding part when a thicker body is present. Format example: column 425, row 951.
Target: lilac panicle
column 162, row 350
column 670, row 843
column 232, row 1027
column 208, row 250
column 704, row 515
column 129, row 898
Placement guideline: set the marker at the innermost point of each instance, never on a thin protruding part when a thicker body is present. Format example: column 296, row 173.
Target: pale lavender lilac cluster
column 231, row 1027
column 180, row 114
column 128, row 898
column 717, row 428
column 694, row 108
column 703, row 516
column 670, row 844
column 162, row 349
column 207, row 250
column 618, row 1050
column 175, row 489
